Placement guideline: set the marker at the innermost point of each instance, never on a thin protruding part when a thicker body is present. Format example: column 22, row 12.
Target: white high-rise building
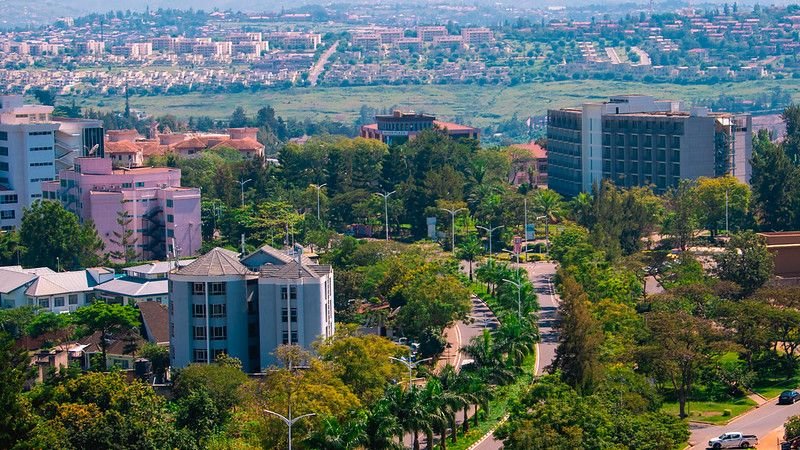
column 27, row 156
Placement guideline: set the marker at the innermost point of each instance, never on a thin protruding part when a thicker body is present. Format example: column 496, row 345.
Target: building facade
column 165, row 217
column 636, row 140
column 27, row 156
column 399, row 127
column 220, row 305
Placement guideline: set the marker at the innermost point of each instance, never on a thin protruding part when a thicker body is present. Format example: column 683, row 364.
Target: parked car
column 788, row 397
column 734, row 440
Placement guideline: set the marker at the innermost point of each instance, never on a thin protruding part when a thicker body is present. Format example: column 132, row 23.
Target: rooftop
column 60, row 283
column 217, row 262
column 155, row 319
column 135, row 287
column 294, row 271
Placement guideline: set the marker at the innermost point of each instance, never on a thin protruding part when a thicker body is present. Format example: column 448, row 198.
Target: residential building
column 155, row 322
column 143, row 283
column 785, row 249
column 127, row 149
column 165, row 217
column 477, row 36
column 13, row 284
column 428, row 33
column 399, row 127
column 60, row 292
column 27, row 156
column 247, row 307
column 636, row 140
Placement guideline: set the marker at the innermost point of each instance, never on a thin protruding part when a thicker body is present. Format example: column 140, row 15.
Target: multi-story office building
column 635, row 140
column 27, row 156
column 165, row 217
column 76, row 138
column 247, row 307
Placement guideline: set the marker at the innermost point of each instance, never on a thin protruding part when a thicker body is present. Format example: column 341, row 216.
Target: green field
column 712, row 412
column 476, row 105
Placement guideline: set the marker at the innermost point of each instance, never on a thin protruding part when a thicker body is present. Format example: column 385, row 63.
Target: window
column 41, row 149
column 199, row 311
column 648, row 140
column 218, row 310
column 198, row 288
column 73, row 299
column 4, row 166
column 170, row 233
column 252, row 330
column 283, row 314
column 676, row 142
column 292, row 292
column 140, row 184
column 217, row 288
column 3, row 151
column 41, row 164
column 40, row 133
column 126, row 185
column 170, row 218
column 200, row 355
column 169, row 203
column 7, row 214
column 219, row 333
column 199, row 333
column 3, row 136
column 58, row 302
column 634, row 140
column 44, row 302
column 286, row 337
column 662, row 141
column 8, row 199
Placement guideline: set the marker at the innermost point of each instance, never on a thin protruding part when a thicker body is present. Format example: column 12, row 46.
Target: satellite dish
column 93, row 150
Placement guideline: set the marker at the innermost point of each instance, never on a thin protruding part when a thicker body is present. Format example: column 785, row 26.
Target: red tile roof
column 536, row 150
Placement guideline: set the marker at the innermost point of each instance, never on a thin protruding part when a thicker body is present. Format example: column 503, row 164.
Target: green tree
column 57, row 325
column 158, row 356
column 238, row 118
column 220, row 382
column 549, row 204
column 791, row 428
column 713, row 194
column 745, row 261
column 16, row 369
column 681, row 220
column 776, row 185
column 580, row 338
column 53, row 237
column 124, row 238
column 469, row 250
column 107, row 319
column 11, row 248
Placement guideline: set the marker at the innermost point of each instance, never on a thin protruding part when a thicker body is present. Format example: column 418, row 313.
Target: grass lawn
column 476, row 105
column 712, row 412
column 772, row 387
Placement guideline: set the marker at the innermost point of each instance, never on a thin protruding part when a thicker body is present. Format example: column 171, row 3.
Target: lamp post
column 385, row 196
column 490, row 231
column 318, row 187
column 410, row 365
column 519, row 295
column 242, row 183
column 453, row 213
column 289, row 421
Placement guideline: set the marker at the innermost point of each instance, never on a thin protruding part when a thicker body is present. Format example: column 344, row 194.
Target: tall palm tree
column 548, row 203
column 335, row 435
column 474, row 391
column 487, row 360
column 469, row 250
column 580, row 208
column 417, row 417
column 449, row 378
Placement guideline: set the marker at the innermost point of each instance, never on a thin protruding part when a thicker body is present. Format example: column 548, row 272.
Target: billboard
column 530, row 232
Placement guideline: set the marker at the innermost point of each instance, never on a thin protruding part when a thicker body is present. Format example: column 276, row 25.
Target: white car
column 734, row 440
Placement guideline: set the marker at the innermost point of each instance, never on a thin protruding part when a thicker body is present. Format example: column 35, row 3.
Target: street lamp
column 514, row 254
column 318, row 187
column 289, row 421
column 519, row 295
column 242, row 183
column 453, row 213
column 385, row 196
column 410, row 365
column 490, row 231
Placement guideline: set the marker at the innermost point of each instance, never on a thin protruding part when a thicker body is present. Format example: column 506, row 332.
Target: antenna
column 242, row 244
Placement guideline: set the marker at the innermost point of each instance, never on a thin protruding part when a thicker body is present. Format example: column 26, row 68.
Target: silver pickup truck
column 734, row 440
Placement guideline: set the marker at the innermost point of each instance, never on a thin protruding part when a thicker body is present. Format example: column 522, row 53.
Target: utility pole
column 385, row 196
column 289, row 421
column 242, row 183
column 410, row 365
column 518, row 285
column 727, row 230
column 453, row 213
column 525, row 231
column 318, row 187
column 490, row 231
column 546, row 231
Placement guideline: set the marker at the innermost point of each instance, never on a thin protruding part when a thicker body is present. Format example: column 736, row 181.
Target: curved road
column 541, row 275
column 764, row 422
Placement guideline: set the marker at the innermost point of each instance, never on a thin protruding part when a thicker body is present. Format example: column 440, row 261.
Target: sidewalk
column 452, row 352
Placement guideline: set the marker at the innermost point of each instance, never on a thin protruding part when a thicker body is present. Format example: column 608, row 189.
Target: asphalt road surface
column 541, row 275
column 762, row 422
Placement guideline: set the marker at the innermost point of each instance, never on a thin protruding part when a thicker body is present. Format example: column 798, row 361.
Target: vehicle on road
column 788, row 397
column 734, row 440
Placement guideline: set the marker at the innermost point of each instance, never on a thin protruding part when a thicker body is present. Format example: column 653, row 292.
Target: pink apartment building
column 165, row 216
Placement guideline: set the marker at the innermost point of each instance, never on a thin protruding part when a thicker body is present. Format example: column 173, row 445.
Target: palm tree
column 580, row 208
column 486, row 359
column 548, row 203
column 381, row 427
column 470, row 249
column 449, row 378
column 474, row 391
column 334, row 435
column 516, row 338
column 417, row 417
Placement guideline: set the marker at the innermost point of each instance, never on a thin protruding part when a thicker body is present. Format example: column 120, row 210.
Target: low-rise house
column 12, row 287
column 155, row 322
column 66, row 291
column 142, row 283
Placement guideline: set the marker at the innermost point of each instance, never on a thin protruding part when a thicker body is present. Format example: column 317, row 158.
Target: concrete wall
column 697, row 148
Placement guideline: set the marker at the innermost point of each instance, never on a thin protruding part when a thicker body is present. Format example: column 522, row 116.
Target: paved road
column 644, row 58
column 319, row 66
column 762, row 422
column 613, row 55
column 541, row 275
